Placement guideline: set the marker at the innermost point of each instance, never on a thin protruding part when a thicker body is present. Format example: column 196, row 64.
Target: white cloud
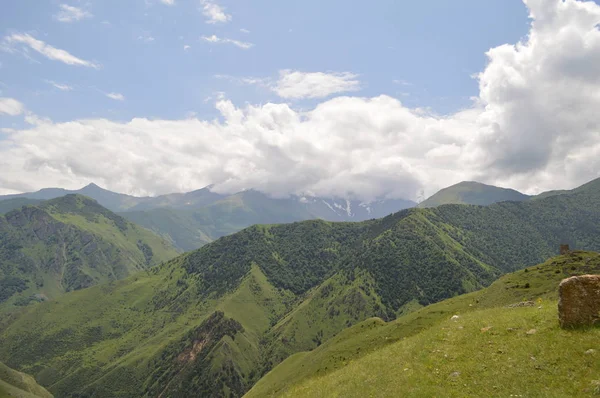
column 11, row 107
column 53, row 53
column 116, row 96
column 296, row 84
column 168, row 2
column 214, row 12
column 218, row 40
column 186, row 47
column 535, row 125
column 69, row 13
column 62, row 87
column 146, row 37
column 246, row 31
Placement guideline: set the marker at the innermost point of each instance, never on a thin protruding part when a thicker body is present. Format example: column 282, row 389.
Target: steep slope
column 67, row 244
column 472, row 193
column 488, row 346
column 19, row 385
column 216, row 319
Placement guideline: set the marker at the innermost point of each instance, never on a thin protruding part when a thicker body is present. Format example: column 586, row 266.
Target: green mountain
column 472, row 193
column 213, row 321
column 19, row 385
column 191, row 229
column 504, row 340
column 67, row 244
column 190, row 220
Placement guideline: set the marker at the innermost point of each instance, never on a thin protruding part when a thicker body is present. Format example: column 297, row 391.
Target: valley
column 217, row 319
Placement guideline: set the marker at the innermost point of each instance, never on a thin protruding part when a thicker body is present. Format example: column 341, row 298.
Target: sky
column 389, row 99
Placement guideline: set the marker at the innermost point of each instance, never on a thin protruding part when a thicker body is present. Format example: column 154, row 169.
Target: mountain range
column 213, row 321
column 190, row 220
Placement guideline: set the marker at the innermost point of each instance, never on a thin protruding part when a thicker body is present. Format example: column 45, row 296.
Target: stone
column 591, row 351
column 522, row 304
column 579, row 301
column 531, row 332
column 454, row 318
column 454, row 374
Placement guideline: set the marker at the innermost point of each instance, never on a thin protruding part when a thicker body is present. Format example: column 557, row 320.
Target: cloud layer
column 535, row 125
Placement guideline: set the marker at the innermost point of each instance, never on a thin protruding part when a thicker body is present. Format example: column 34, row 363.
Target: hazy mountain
column 70, row 243
column 190, row 229
column 213, row 321
column 472, row 193
column 190, row 220
column 16, row 203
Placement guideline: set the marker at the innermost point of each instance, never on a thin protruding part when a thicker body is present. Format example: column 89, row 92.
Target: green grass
column 19, row 385
column 484, row 353
column 375, row 337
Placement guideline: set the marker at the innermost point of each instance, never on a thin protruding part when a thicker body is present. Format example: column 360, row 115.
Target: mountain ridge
column 69, row 243
column 258, row 296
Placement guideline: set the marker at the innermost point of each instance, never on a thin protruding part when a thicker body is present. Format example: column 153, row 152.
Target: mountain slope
column 416, row 353
column 472, row 193
column 216, row 319
column 19, row 385
column 191, row 229
column 67, row 244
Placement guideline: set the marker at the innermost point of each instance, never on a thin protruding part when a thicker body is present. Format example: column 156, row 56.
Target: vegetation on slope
column 472, row 193
column 302, row 284
column 489, row 348
column 67, row 244
column 19, row 385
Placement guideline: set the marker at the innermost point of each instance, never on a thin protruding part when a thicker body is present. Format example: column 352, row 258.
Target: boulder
column 579, row 301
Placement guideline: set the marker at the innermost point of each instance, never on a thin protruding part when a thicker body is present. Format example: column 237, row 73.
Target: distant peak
column 91, row 185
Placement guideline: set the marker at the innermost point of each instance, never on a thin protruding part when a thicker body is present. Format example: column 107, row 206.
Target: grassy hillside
column 216, row 319
column 19, row 385
column 472, row 193
column 489, row 348
column 67, row 244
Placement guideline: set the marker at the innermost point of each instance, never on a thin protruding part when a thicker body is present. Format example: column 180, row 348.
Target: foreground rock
column 579, row 301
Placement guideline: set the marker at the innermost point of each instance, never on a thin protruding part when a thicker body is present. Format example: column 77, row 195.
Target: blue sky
column 430, row 48
column 338, row 98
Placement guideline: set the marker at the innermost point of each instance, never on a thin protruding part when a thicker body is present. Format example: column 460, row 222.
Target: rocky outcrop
column 579, row 301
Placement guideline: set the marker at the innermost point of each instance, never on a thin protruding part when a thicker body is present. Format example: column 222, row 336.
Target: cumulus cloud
column 534, row 126
column 116, row 96
column 11, row 107
column 29, row 42
column 219, row 40
column 69, row 13
column 214, row 13
column 296, row 84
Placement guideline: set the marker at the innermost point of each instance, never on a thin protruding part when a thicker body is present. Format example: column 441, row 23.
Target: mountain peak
column 473, row 193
